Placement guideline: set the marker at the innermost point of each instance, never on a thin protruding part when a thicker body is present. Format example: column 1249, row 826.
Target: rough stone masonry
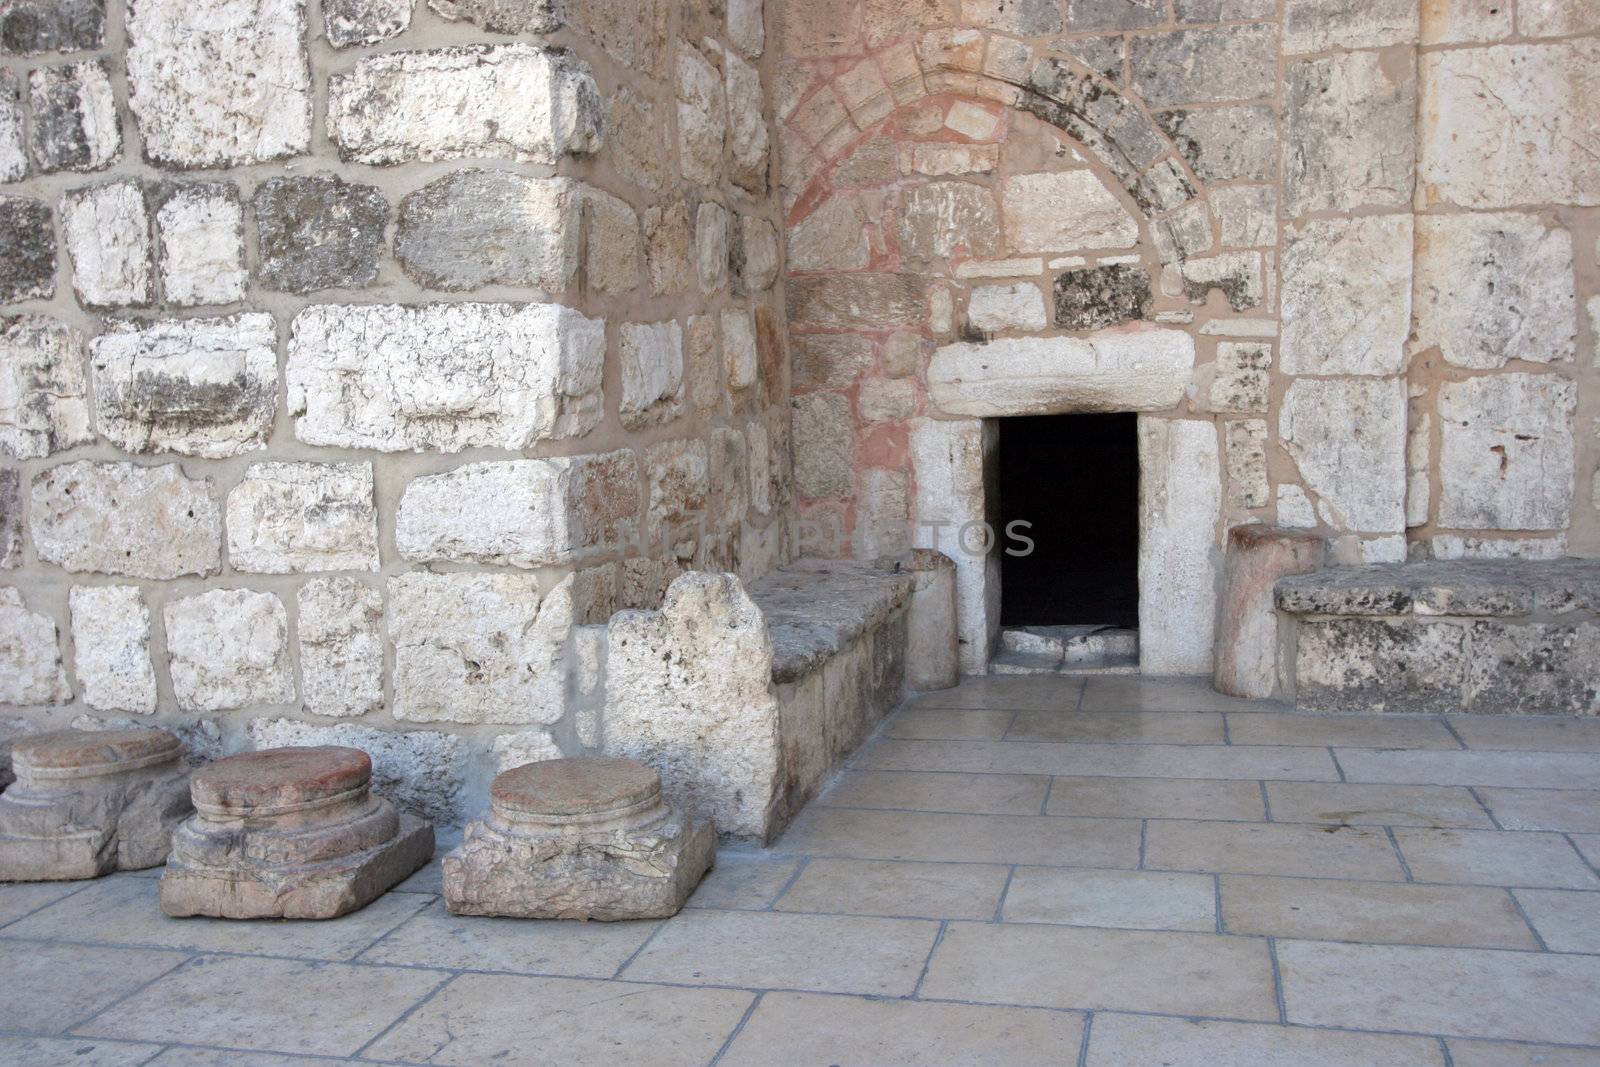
column 359, row 359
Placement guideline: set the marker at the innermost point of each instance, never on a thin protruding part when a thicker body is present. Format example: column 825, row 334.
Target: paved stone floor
column 1018, row 871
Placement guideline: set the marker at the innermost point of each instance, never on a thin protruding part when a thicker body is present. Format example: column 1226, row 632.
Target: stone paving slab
column 902, row 890
column 80, row 1052
column 1552, row 770
column 1377, row 805
column 1137, row 1041
column 1301, row 850
column 1502, row 1054
column 1523, row 733
column 21, row 899
column 51, row 988
column 977, row 794
column 1156, row 798
column 1356, row 731
column 1136, row 900
column 1127, row 727
column 1566, row 810
column 1492, row 857
column 1105, row 760
column 745, row 878
column 915, row 835
column 940, row 724
column 1567, row 921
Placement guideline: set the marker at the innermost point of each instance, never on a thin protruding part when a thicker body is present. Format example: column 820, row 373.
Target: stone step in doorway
column 1076, row 649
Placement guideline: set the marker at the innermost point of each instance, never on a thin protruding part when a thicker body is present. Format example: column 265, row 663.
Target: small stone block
column 578, row 839
column 86, row 803
column 290, row 833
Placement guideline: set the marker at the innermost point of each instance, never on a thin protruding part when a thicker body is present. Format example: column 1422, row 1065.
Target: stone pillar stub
column 584, row 838
column 87, row 803
column 1247, row 625
column 289, row 833
column 932, row 649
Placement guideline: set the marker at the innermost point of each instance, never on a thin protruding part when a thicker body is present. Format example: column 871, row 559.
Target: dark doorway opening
column 1075, row 479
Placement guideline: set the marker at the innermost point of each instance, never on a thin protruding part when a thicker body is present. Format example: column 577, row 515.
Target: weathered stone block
column 505, row 16
column 679, row 478
column 1554, row 18
column 513, row 101
column 29, row 27
column 1248, row 215
column 222, row 84
column 824, row 445
column 229, row 648
column 1536, row 139
column 421, row 771
column 937, row 218
column 613, row 259
column 749, row 144
column 111, row 642
column 739, row 350
column 1533, row 669
column 1199, row 66
column 1348, row 438
column 884, row 400
column 1225, row 143
column 484, row 227
column 202, row 244
column 829, row 361
column 711, row 246
column 44, row 392
column 1064, row 211
column 1090, row 15
column 1506, row 459
column 1246, row 441
column 747, row 27
column 443, row 376
column 285, row 518
column 341, row 647
column 30, row 660
column 666, row 247
column 638, row 140
column 10, row 518
column 1378, row 665
column 702, row 117
column 89, row 803
column 198, row 387
column 1247, row 635
column 1237, row 275
column 27, row 232
column 357, row 22
column 121, row 518
column 1350, row 140
column 652, row 373
column 1494, row 287
column 289, row 833
column 1322, row 25
column 13, row 150
column 1242, row 378
column 478, row 648
column 318, row 233
column 526, row 746
column 1139, row 369
column 834, row 236
column 1347, row 295
column 1180, row 502
column 1094, row 298
column 578, row 839
column 876, row 301
column 74, row 117
column 107, row 232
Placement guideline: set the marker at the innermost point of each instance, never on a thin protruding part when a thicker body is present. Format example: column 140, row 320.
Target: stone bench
column 1473, row 635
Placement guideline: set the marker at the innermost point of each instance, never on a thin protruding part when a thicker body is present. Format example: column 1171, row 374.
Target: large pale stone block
column 824, row 442
column 422, row 771
column 1495, row 287
column 1199, row 66
column 44, row 390
column 854, row 301
column 747, row 27
column 578, row 839
column 1351, row 143
column 1323, row 25
column 937, row 218
column 1348, row 438
column 749, row 144
column 613, row 261
column 1246, row 446
column 701, row 669
column 107, row 233
column 1247, row 633
column 678, row 474
column 932, row 656
column 1242, row 377
column 1225, row 143
column 702, row 117
column 956, row 481
column 30, row 658
column 1180, row 504
column 1019, row 306
column 1347, row 295
column 120, row 518
column 223, row 84
column 1506, row 457
column 1064, row 211
column 1141, row 368
column 341, row 646
column 834, row 236
column 1535, row 139
column 111, row 643
column 523, row 513
column 198, row 387
column 443, row 377
column 318, row 232
column 478, row 648
column 229, row 648
column 484, row 227
column 652, row 373
column 512, row 101
column 285, row 518
column 86, row 804
column 202, row 244
column 711, row 246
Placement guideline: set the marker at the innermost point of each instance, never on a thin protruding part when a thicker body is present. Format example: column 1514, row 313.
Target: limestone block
column 902, row 355
column 1536, row 139
column 1094, row 298
column 478, row 648
column 13, row 151
column 1247, row 625
column 27, row 232
column 746, row 27
column 872, row 301
column 358, row 22
column 1200, row 66
column 702, row 117
column 504, row 16
column 1064, row 211
column 938, row 217
column 932, row 659
column 1180, row 503
column 884, row 400
column 638, row 140
column 1350, row 137
column 824, row 445
column 739, row 348
column 198, row 387
column 1380, row 665
column 679, row 477
column 754, row 255
column 511, row 101
column 749, row 144
column 30, row 660
column 1019, row 306
column 341, row 647
column 1454, row 546
column 29, row 27
column 652, row 373
column 1294, row 508
column 704, row 374
column 1553, row 18
column 86, row 804
column 526, row 746
column 1143, row 368
column 1494, row 287
column 229, row 648
column 1237, row 275
column 1506, row 454
column 483, row 227
column 578, row 839
column 122, row 518
column 1533, row 669
column 1242, row 377
column 1347, row 295
column 1246, row 444
column 700, row 668
column 829, row 361
column 224, row 84
column 44, row 391
column 421, row 771
column 1225, row 143
column 289, row 833
column 107, row 233
column 286, row 518
column 1348, row 438
column 111, row 642
column 1114, row 14
column 834, row 236
column 954, row 461
column 1029, row 18
column 1248, row 215
column 443, row 377
column 666, row 247
column 318, row 233
column 523, row 513
column 10, row 518
column 202, row 244
column 613, row 261
column 711, row 246
column 74, row 117
column 1322, row 25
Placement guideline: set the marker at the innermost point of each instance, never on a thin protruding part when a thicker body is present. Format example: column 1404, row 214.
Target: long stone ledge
column 1476, row 588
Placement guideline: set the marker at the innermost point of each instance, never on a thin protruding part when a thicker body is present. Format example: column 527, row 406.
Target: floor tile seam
column 1450, row 728
column 1005, row 889
column 1049, row 787
column 1266, row 801
column 168, row 1044
column 1516, row 902
column 637, row 952
column 1216, row 903
column 140, row 988
column 1444, row 1053
column 438, row 987
column 1083, row 1039
column 927, row 961
column 407, row 921
column 1582, row 856
column 1487, row 810
column 738, row 1028
column 1186, row 778
column 788, row 883
column 1400, row 856
column 1278, row 992
column 30, row 914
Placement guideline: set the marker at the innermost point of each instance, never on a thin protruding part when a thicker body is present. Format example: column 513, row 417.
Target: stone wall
column 355, row 353
column 1357, row 238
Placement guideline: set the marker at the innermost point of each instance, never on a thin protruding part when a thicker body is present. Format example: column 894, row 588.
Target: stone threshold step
column 1076, row 649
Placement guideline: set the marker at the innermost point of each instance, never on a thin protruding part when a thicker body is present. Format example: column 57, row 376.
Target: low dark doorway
column 1075, row 478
